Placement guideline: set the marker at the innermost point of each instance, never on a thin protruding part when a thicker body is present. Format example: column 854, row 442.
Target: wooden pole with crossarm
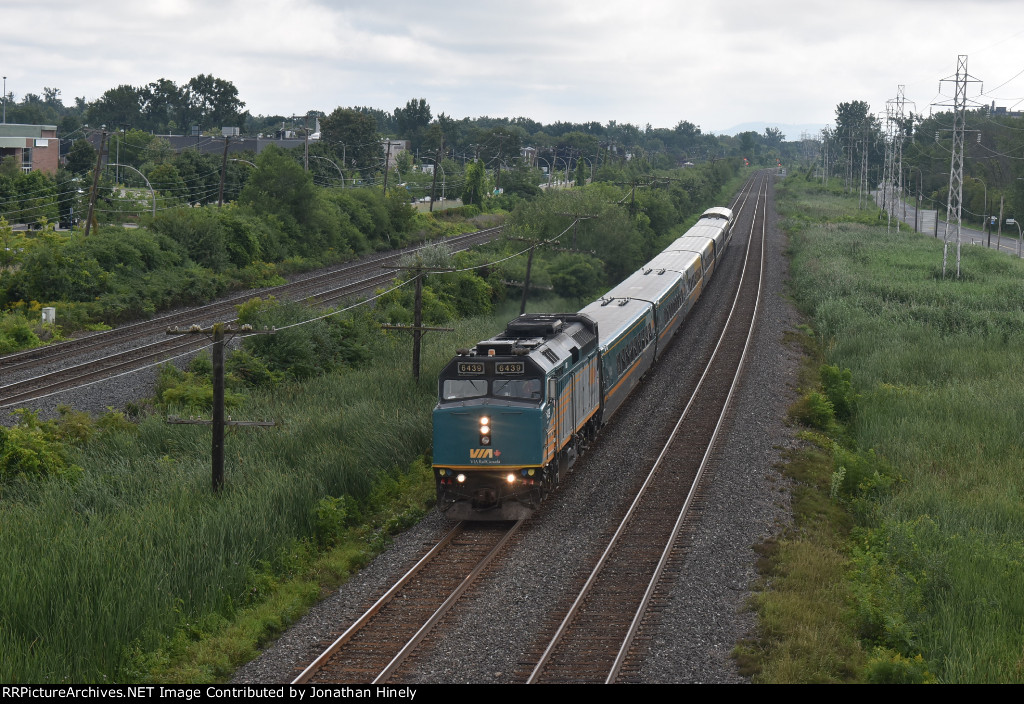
column 218, row 331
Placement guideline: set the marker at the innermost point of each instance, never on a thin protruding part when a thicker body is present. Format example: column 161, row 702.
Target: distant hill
column 792, row 132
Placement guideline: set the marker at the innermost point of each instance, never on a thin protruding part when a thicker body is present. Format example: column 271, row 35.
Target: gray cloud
column 713, row 63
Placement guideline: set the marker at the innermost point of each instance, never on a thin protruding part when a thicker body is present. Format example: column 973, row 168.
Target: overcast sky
column 715, row 63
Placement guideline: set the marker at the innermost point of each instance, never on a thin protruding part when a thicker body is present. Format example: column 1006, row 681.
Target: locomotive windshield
column 514, row 389
column 455, row 389
column 528, row 389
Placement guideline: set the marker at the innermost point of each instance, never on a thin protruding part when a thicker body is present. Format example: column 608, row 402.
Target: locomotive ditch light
column 460, row 478
column 511, row 478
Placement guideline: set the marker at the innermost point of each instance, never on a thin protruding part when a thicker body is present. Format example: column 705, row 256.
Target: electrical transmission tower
column 954, row 201
column 863, row 188
column 897, row 121
column 887, row 165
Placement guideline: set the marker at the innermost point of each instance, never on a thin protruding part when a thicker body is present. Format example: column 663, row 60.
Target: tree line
column 993, row 157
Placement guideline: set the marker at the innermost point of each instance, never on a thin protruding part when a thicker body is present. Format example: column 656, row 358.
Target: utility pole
column 529, row 268
column 540, row 243
column 217, row 331
column 824, row 156
column 387, row 166
column 417, row 329
column 501, row 141
column 954, row 200
column 223, row 169
column 437, row 164
column 95, row 182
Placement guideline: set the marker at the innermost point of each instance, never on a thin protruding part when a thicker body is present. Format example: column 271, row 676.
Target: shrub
column 814, row 410
column 303, row 351
column 30, row 450
column 838, row 387
column 249, row 369
column 186, row 391
column 889, row 667
column 16, row 334
column 332, row 515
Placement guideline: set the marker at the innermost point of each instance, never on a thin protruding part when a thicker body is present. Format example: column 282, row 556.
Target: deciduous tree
column 352, row 136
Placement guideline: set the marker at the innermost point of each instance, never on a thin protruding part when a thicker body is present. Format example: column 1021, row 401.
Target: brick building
column 34, row 147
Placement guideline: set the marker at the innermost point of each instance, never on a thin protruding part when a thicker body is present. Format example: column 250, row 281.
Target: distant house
column 34, row 147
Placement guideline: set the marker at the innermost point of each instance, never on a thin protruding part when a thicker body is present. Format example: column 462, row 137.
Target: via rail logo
column 481, row 455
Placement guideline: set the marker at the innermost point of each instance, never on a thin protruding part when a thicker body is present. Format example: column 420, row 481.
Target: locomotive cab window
column 527, row 389
column 456, row 389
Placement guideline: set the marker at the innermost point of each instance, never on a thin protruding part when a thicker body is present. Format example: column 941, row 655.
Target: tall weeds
column 939, row 557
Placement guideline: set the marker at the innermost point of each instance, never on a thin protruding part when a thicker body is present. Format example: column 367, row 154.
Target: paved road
column 968, row 235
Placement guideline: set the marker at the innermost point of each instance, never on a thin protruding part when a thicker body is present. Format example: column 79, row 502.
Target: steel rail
column 345, row 637
column 677, row 528
column 409, row 647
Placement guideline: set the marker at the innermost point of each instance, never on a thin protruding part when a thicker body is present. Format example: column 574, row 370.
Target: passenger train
column 515, row 411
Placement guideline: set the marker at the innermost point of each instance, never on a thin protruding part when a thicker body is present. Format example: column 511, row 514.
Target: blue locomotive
column 515, row 411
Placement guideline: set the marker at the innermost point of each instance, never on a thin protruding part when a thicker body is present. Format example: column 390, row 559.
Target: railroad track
column 374, row 648
column 358, row 278
column 592, row 639
column 594, row 636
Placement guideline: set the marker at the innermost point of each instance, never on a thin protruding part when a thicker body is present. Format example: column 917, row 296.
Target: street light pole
column 917, row 198
column 433, row 185
column 323, row 158
column 149, row 185
column 540, row 158
column 984, row 215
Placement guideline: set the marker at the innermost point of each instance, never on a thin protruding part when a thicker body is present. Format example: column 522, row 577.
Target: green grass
column 936, row 557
